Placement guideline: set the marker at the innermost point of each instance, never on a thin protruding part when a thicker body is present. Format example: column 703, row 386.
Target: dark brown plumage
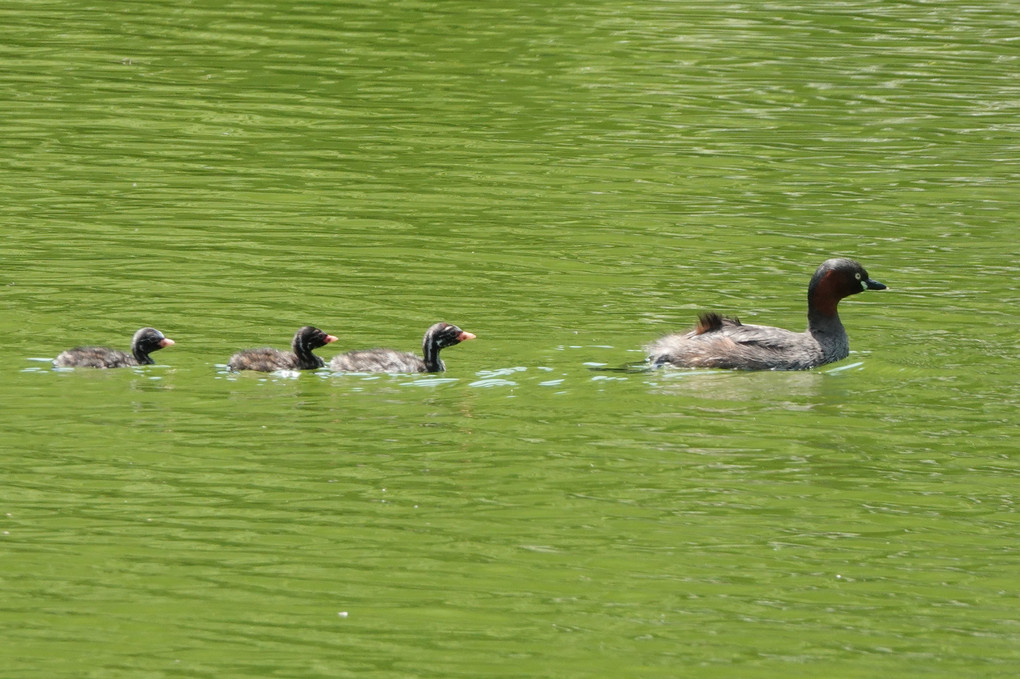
column 145, row 341
column 300, row 358
column 438, row 337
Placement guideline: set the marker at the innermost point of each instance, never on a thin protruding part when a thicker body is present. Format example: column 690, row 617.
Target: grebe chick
column 301, row 358
column 145, row 341
column 438, row 337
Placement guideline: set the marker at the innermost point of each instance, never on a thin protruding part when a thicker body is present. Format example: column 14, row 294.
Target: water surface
column 568, row 182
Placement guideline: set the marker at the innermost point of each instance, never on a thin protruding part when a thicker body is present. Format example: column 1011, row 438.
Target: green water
column 568, row 181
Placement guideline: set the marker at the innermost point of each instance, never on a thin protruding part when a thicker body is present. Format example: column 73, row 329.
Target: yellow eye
column 857, row 276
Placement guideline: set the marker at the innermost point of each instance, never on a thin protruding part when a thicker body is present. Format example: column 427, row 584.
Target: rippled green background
column 567, row 181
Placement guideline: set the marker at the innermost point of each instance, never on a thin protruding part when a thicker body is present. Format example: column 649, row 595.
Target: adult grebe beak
column 873, row 285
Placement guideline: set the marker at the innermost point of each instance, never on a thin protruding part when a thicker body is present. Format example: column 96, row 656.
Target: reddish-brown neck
column 825, row 294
